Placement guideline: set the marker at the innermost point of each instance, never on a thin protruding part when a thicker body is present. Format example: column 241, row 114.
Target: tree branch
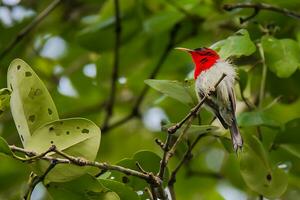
column 170, row 149
column 30, row 27
column 140, row 98
column 115, row 72
column 34, row 179
column 68, row 159
column 187, row 156
column 193, row 111
column 261, row 6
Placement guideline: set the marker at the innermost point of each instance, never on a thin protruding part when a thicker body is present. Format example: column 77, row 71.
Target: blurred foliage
column 72, row 52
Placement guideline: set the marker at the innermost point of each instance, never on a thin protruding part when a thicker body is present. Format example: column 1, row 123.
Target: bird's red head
column 204, row 58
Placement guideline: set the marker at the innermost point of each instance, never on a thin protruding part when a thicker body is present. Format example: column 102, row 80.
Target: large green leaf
column 256, row 118
column 239, row 44
column 124, row 191
column 31, row 103
column 4, row 148
column 282, row 56
column 83, row 188
column 76, row 136
column 4, row 99
column 290, row 133
column 181, row 91
column 258, row 173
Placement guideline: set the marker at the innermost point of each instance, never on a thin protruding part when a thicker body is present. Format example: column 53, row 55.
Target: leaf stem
column 264, row 75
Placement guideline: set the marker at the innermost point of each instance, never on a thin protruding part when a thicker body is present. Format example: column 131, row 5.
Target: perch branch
column 170, row 149
column 68, row 159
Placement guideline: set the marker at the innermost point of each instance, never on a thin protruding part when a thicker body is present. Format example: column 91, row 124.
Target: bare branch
column 115, row 72
column 34, row 179
column 194, row 111
column 170, row 149
column 67, row 159
column 261, row 6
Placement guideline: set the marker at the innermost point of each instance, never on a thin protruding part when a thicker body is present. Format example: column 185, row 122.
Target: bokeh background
column 72, row 50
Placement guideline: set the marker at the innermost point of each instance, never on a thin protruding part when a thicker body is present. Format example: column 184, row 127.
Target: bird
column 221, row 101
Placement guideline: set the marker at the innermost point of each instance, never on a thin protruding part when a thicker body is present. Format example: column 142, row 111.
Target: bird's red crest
column 204, row 58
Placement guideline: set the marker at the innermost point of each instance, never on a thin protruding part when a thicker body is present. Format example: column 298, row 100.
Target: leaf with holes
column 4, row 148
column 76, row 136
column 84, row 187
column 31, row 104
column 4, row 99
column 270, row 181
column 181, row 91
column 239, row 44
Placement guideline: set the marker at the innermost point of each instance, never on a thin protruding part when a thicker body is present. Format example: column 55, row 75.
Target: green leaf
column 256, row 118
column 4, row 99
column 162, row 21
column 31, row 104
column 97, row 37
column 282, row 56
column 124, row 191
column 290, row 133
column 257, row 172
column 84, row 187
column 239, row 44
column 4, row 148
column 181, row 91
column 76, row 136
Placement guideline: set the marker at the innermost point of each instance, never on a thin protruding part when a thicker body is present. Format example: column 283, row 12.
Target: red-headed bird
column 209, row 68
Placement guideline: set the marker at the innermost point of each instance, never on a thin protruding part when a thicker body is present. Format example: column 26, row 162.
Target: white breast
column 207, row 79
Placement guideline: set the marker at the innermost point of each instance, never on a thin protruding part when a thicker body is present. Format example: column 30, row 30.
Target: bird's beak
column 184, row 49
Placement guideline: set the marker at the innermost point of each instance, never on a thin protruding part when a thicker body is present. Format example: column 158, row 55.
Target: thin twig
column 148, row 191
column 187, row 156
column 26, row 30
column 261, row 6
column 115, row 72
column 264, row 76
column 34, row 180
column 170, row 149
column 140, row 98
column 193, row 111
column 164, row 162
column 67, row 159
column 154, row 181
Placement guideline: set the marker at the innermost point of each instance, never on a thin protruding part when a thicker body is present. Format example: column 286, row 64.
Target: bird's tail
column 236, row 137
